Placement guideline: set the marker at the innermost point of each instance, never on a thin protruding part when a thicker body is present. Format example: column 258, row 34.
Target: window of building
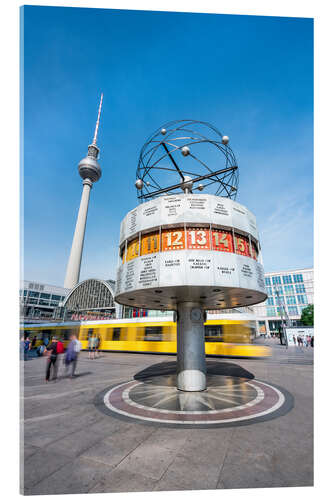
column 286, row 279
column 25, row 293
column 298, row 278
column 268, row 281
column 270, row 311
column 276, row 280
column 291, row 300
column 269, row 290
column 213, row 333
column 33, row 294
column 289, row 290
column 32, row 301
column 36, row 286
column 153, row 333
column 45, row 295
column 300, row 288
column 302, row 299
column 278, row 289
column 31, row 286
column 43, row 302
column 41, row 287
column 293, row 310
column 55, row 297
column 270, row 301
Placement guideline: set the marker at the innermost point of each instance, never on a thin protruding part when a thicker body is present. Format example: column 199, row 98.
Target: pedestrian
column 22, row 348
column 51, row 350
column 70, row 356
column 97, row 344
column 91, row 347
column 305, row 341
column 77, row 348
column 33, row 343
column 300, row 341
column 294, row 339
column 26, row 348
column 312, row 341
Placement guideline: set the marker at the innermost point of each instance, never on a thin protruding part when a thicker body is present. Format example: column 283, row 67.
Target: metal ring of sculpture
column 173, row 157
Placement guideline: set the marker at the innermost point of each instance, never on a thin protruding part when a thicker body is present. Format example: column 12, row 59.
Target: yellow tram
column 223, row 337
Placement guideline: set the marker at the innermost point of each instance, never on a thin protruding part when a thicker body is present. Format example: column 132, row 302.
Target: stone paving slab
column 72, row 447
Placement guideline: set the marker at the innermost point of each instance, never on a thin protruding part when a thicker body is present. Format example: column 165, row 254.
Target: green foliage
column 307, row 317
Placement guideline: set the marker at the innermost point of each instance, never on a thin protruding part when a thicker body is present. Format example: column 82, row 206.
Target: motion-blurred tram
column 223, row 337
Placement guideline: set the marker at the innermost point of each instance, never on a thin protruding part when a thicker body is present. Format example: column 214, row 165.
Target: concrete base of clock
column 191, row 358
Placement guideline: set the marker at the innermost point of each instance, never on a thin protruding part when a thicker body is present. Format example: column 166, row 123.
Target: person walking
column 51, row 350
column 77, row 348
column 294, row 339
column 70, row 357
column 305, row 341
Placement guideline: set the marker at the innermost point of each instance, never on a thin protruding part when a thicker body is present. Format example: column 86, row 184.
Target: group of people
column 70, row 358
column 55, row 350
column 93, row 346
column 305, row 341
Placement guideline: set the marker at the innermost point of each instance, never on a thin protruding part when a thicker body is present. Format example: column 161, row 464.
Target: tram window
column 213, row 333
column 116, row 334
column 153, row 333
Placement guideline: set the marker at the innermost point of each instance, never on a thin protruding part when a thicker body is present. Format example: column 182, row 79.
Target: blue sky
column 250, row 76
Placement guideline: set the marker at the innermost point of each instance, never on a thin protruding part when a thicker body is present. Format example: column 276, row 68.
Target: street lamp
column 281, row 306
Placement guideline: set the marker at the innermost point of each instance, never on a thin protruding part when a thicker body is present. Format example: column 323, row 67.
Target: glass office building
column 290, row 291
column 38, row 301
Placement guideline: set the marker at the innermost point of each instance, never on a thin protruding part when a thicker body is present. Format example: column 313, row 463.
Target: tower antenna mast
column 90, row 172
column 97, row 122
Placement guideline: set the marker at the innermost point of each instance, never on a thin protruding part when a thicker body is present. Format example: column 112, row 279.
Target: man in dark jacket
column 52, row 359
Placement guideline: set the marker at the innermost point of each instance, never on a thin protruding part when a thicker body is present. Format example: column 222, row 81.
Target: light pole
column 281, row 306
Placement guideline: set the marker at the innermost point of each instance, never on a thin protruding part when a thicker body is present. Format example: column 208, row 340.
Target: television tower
column 90, row 171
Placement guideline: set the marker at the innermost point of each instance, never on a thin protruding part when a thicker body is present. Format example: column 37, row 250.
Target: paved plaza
column 72, row 446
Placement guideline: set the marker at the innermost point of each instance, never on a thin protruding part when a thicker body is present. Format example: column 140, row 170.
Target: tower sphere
column 185, row 151
column 89, row 167
column 225, row 139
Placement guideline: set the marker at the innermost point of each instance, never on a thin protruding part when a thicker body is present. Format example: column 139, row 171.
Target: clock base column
column 191, row 358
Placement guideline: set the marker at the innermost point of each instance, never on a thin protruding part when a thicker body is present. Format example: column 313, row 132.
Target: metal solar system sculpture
column 188, row 246
column 188, row 156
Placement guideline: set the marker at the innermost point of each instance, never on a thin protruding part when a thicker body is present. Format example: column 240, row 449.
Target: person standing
column 91, row 347
column 51, row 360
column 294, row 339
column 305, row 341
column 26, row 348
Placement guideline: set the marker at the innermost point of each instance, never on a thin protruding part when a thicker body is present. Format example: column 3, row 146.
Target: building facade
column 38, row 301
column 289, row 291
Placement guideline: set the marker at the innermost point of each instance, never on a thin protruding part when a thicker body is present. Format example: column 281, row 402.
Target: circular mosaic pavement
column 227, row 401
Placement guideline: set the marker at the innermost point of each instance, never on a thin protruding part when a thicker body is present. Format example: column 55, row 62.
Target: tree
column 308, row 315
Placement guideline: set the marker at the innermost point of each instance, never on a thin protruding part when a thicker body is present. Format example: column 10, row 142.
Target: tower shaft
column 74, row 262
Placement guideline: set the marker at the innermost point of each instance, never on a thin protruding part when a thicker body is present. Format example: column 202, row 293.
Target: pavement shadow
column 169, row 368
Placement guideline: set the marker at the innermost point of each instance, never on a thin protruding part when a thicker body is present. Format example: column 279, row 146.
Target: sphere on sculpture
column 225, row 139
